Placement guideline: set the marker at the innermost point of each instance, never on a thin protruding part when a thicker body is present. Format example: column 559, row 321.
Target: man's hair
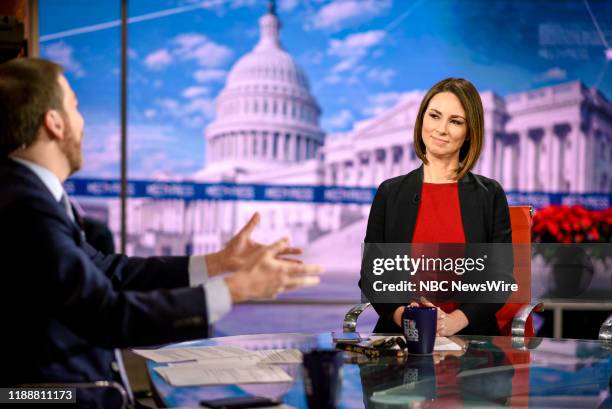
column 28, row 89
column 470, row 100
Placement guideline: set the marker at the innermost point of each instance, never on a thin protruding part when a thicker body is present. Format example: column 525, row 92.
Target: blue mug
column 419, row 329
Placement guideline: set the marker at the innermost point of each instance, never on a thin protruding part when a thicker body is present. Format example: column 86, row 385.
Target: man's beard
column 71, row 147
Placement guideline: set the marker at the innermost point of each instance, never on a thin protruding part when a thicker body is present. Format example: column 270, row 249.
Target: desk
column 491, row 371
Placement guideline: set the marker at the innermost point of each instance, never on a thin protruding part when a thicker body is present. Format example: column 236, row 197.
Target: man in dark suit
column 64, row 305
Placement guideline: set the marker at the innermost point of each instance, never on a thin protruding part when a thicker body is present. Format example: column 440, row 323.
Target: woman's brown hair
column 470, row 99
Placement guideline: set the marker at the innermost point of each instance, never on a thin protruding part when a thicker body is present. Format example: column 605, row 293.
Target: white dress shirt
column 218, row 299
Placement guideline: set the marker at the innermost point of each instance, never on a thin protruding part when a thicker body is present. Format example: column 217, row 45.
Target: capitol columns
column 581, row 136
column 408, row 149
column 523, row 159
column 510, row 160
column 561, row 132
column 551, row 149
column 536, row 135
column 292, row 141
column 390, row 162
column 499, row 160
column 362, row 172
column 269, row 154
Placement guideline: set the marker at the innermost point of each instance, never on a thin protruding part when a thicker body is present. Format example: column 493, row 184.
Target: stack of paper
column 187, row 375
column 221, row 365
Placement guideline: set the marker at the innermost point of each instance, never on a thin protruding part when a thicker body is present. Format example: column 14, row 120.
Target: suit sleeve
column 141, row 274
column 501, row 232
column 375, row 233
column 72, row 288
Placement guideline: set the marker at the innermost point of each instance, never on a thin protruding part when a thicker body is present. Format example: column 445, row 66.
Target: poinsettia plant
column 575, row 224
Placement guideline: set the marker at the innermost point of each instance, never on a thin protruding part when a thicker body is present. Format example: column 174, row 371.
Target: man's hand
column 265, row 274
column 235, row 254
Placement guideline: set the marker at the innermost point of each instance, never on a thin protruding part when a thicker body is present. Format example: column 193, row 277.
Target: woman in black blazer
column 448, row 138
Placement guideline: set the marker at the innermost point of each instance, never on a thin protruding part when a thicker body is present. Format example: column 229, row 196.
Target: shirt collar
column 49, row 179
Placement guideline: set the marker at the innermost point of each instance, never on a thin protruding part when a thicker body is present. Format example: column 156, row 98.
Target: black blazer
column 64, row 306
column 485, row 216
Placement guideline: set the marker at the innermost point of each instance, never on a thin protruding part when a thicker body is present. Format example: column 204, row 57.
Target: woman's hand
column 397, row 314
column 448, row 324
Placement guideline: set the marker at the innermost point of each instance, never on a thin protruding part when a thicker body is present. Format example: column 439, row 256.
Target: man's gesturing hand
column 264, row 274
column 236, row 253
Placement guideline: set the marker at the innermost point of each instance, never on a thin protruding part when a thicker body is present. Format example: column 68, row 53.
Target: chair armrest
column 605, row 331
column 520, row 319
column 86, row 385
column 350, row 319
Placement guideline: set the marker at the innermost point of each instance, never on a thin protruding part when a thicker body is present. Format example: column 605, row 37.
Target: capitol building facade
column 266, row 131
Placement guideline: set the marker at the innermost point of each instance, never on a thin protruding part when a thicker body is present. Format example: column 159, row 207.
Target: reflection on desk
column 488, row 372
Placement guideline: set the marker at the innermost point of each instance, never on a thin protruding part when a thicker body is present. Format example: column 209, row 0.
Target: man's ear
column 54, row 124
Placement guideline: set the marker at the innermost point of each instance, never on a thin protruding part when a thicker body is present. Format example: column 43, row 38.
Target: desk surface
column 491, row 371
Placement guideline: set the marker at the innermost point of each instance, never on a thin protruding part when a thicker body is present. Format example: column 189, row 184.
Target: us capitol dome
column 266, row 117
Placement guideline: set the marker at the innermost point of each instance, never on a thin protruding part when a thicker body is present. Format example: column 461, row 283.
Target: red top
column 439, row 217
column 439, row 220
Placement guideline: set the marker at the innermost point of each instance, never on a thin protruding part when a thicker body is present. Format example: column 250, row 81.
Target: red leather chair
column 521, row 218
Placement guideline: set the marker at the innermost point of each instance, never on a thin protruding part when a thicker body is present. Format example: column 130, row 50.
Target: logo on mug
column 410, row 330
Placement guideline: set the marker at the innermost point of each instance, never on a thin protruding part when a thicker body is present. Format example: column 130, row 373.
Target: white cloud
column 209, row 75
column 378, row 103
column 288, row 5
column 203, row 106
column 552, row 74
column 61, row 53
column 353, row 48
column 341, row 120
column 199, row 48
column 195, row 91
column 168, row 104
column 344, row 65
column 154, row 149
column 190, row 47
column 356, row 44
column 242, row 3
column 191, row 113
column 150, row 113
column 188, row 41
column 332, row 79
column 381, row 75
column 341, row 13
column 158, row 59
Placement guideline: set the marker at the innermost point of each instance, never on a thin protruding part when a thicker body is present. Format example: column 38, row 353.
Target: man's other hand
column 237, row 251
column 265, row 273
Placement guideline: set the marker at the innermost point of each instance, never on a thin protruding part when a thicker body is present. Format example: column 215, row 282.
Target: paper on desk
column 165, row 355
column 188, row 375
column 441, row 344
column 280, row 356
column 220, row 363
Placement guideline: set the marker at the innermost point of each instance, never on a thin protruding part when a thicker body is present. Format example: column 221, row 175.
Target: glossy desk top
column 489, row 372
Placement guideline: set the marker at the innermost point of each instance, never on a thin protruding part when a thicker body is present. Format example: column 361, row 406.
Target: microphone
column 416, row 199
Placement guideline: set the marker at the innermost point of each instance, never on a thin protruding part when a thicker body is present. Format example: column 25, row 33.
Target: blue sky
column 360, row 56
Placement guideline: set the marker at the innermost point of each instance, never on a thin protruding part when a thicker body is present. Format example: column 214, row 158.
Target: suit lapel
column 470, row 210
column 47, row 204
